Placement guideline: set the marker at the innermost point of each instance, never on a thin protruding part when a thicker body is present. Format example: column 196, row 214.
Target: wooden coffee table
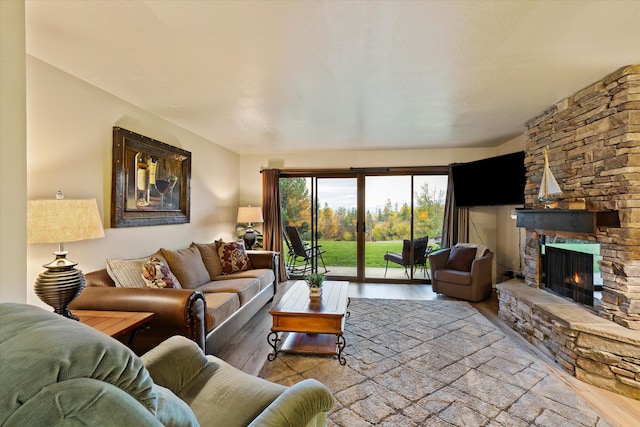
column 314, row 326
column 116, row 323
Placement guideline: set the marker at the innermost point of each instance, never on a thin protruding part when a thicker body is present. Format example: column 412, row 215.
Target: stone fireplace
column 593, row 143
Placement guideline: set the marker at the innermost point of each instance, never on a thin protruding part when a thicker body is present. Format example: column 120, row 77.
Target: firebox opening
column 570, row 269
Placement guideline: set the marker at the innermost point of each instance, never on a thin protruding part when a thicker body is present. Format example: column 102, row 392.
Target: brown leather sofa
column 209, row 313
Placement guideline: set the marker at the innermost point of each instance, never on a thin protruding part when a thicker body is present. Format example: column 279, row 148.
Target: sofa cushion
column 246, row 288
column 156, row 274
column 210, row 257
column 453, row 276
column 461, row 258
column 233, row 257
column 187, row 266
column 220, row 306
column 127, row 273
column 264, row 275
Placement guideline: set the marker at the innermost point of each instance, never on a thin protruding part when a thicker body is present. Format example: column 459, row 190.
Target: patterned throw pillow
column 156, row 274
column 232, row 257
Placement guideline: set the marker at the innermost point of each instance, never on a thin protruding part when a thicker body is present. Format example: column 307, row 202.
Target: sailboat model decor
column 550, row 191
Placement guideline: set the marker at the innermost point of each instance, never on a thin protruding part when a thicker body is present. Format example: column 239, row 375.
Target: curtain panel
column 455, row 226
column 272, row 229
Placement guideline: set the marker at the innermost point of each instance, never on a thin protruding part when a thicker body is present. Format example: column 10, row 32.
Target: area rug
column 434, row 363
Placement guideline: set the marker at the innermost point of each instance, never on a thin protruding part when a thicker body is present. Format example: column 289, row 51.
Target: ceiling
column 290, row 76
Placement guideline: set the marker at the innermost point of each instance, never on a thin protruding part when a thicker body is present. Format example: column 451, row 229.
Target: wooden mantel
column 571, row 220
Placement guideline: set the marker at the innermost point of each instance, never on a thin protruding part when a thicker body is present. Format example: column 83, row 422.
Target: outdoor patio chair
column 420, row 252
column 288, row 260
column 302, row 259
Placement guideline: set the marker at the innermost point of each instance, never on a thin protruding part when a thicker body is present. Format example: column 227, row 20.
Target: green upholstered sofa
column 57, row 371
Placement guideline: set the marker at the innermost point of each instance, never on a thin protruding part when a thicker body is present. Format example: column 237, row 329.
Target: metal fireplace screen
column 569, row 274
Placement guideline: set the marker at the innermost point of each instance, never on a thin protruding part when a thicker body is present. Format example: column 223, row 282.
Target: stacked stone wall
column 592, row 349
column 593, row 141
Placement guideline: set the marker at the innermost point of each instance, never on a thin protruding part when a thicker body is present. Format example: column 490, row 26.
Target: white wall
column 69, row 148
column 13, row 153
column 508, row 237
column 491, row 226
column 251, row 184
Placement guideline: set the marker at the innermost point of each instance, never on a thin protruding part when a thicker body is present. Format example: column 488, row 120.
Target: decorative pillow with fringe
column 156, row 274
column 233, row 257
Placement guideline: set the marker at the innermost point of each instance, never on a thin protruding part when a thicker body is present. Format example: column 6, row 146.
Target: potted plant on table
column 315, row 281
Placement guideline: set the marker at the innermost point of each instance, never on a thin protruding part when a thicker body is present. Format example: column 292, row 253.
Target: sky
column 342, row 192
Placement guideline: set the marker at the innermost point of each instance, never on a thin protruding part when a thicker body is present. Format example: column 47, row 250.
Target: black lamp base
column 249, row 238
column 60, row 284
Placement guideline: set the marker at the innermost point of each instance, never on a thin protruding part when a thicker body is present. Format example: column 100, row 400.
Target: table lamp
column 249, row 215
column 59, row 221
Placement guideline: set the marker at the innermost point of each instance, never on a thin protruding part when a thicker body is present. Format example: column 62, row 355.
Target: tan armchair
column 461, row 272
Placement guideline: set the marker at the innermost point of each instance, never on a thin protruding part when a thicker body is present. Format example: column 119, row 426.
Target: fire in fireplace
column 570, row 273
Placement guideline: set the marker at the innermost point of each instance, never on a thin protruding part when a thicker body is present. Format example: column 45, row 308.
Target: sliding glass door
column 388, row 220
column 336, row 223
column 365, row 226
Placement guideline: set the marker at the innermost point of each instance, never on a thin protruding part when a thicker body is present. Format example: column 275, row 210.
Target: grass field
column 343, row 254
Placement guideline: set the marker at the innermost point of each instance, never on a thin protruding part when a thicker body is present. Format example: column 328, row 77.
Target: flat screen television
column 494, row 181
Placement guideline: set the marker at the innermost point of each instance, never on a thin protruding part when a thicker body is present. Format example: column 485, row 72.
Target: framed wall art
column 151, row 181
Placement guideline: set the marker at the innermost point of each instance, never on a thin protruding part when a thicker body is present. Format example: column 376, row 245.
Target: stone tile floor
column 434, row 363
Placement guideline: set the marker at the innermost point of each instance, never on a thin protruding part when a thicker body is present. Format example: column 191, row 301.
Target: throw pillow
column 209, row 253
column 187, row 266
column 461, row 258
column 480, row 251
column 156, row 274
column 233, row 257
column 126, row 272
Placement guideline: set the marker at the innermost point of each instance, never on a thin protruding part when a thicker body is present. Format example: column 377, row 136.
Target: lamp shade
column 250, row 214
column 64, row 220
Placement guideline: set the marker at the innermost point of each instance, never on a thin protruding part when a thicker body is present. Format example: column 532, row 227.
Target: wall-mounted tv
column 490, row 182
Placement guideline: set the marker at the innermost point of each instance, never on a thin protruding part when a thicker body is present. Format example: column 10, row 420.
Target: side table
column 116, row 323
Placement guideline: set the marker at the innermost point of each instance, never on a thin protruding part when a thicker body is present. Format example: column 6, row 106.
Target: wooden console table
column 116, row 323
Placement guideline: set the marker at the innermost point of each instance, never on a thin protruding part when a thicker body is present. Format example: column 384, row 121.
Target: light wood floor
column 249, row 349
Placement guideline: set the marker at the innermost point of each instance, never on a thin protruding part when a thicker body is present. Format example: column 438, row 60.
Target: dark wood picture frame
column 142, row 168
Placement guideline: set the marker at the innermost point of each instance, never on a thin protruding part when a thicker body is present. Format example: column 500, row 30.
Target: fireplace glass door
column 569, row 274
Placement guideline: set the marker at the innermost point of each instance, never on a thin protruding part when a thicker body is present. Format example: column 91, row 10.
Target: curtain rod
column 373, row 170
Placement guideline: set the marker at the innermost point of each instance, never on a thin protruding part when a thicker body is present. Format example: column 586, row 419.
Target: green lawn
column 343, row 254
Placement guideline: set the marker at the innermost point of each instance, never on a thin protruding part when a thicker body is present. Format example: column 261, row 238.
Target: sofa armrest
column 180, row 310
column 99, row 278
column 174, row 363
column 438, row 260
column 482, row 275
column 261, row 259
column 297, row 406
